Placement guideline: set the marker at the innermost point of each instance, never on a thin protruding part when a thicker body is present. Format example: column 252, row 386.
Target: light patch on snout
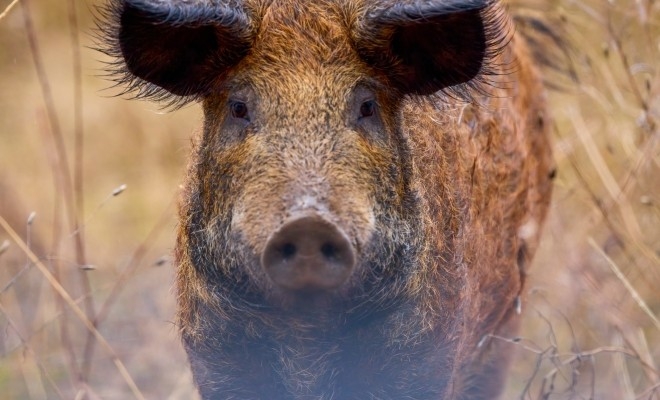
column 358, row 222
column 308, row 202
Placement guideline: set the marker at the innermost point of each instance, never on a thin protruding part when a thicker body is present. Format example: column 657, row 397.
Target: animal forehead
column 316, row 97
column 303, row 32
column 302, row 58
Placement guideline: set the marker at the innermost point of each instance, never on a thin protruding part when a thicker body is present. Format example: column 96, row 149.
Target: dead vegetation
column 85, row 277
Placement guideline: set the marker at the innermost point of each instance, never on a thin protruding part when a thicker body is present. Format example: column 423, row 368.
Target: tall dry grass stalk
column 591, row 329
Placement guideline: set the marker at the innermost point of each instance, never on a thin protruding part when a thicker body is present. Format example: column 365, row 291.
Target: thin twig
column 632, row 85
column 605, row 174
column 15, row 278
column 78, row 179
column 64, row 174
column 605, row 350
column 87, row 391
column 56, row 242
column 63, row 171
column 624, row 372
column 133, row 264
column 603, row 212
column 651, row 390
column 629, row 287
column 120, row 284
column 74, row 307
column 27, row 265
column 9, row 7
column 28, row 348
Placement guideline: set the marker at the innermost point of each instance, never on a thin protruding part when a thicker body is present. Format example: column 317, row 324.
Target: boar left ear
column 180, row 48
column 426, row 46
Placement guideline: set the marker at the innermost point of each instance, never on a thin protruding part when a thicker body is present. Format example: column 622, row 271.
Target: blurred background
column 89, row 180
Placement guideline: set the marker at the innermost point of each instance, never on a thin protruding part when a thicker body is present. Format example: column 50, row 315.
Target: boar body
column 364, row 199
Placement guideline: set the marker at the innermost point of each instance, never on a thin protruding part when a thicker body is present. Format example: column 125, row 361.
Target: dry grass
column 591, row 326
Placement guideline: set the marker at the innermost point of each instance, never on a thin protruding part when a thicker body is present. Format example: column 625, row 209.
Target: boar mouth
column 308, row 254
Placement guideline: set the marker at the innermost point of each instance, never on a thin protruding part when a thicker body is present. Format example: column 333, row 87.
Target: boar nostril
column 330, row 251
column 308, row 253
column 288, row 251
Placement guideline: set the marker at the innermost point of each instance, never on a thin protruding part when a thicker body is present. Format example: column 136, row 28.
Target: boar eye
column 367, row 109
column 239, row 110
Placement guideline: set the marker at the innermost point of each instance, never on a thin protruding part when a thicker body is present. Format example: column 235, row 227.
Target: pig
column 365, row 197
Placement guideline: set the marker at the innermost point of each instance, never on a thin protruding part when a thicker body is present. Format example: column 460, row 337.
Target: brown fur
column 446, row 197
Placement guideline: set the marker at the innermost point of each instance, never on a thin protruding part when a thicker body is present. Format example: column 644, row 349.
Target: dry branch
column 74, row 307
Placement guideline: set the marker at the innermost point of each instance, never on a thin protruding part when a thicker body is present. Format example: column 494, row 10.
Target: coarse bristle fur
column 343, row 124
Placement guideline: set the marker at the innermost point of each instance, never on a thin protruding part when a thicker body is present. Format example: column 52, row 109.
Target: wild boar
column 364, row 199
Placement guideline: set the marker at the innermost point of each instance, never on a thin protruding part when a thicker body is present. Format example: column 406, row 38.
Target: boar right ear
column 426, row 46
column 173, row 47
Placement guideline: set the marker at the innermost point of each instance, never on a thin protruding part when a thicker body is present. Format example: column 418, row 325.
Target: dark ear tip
column 416, row 12
column 147, row 5
column 138, row 8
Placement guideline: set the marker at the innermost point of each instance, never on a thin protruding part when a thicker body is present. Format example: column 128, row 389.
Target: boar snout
column 308, row 253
